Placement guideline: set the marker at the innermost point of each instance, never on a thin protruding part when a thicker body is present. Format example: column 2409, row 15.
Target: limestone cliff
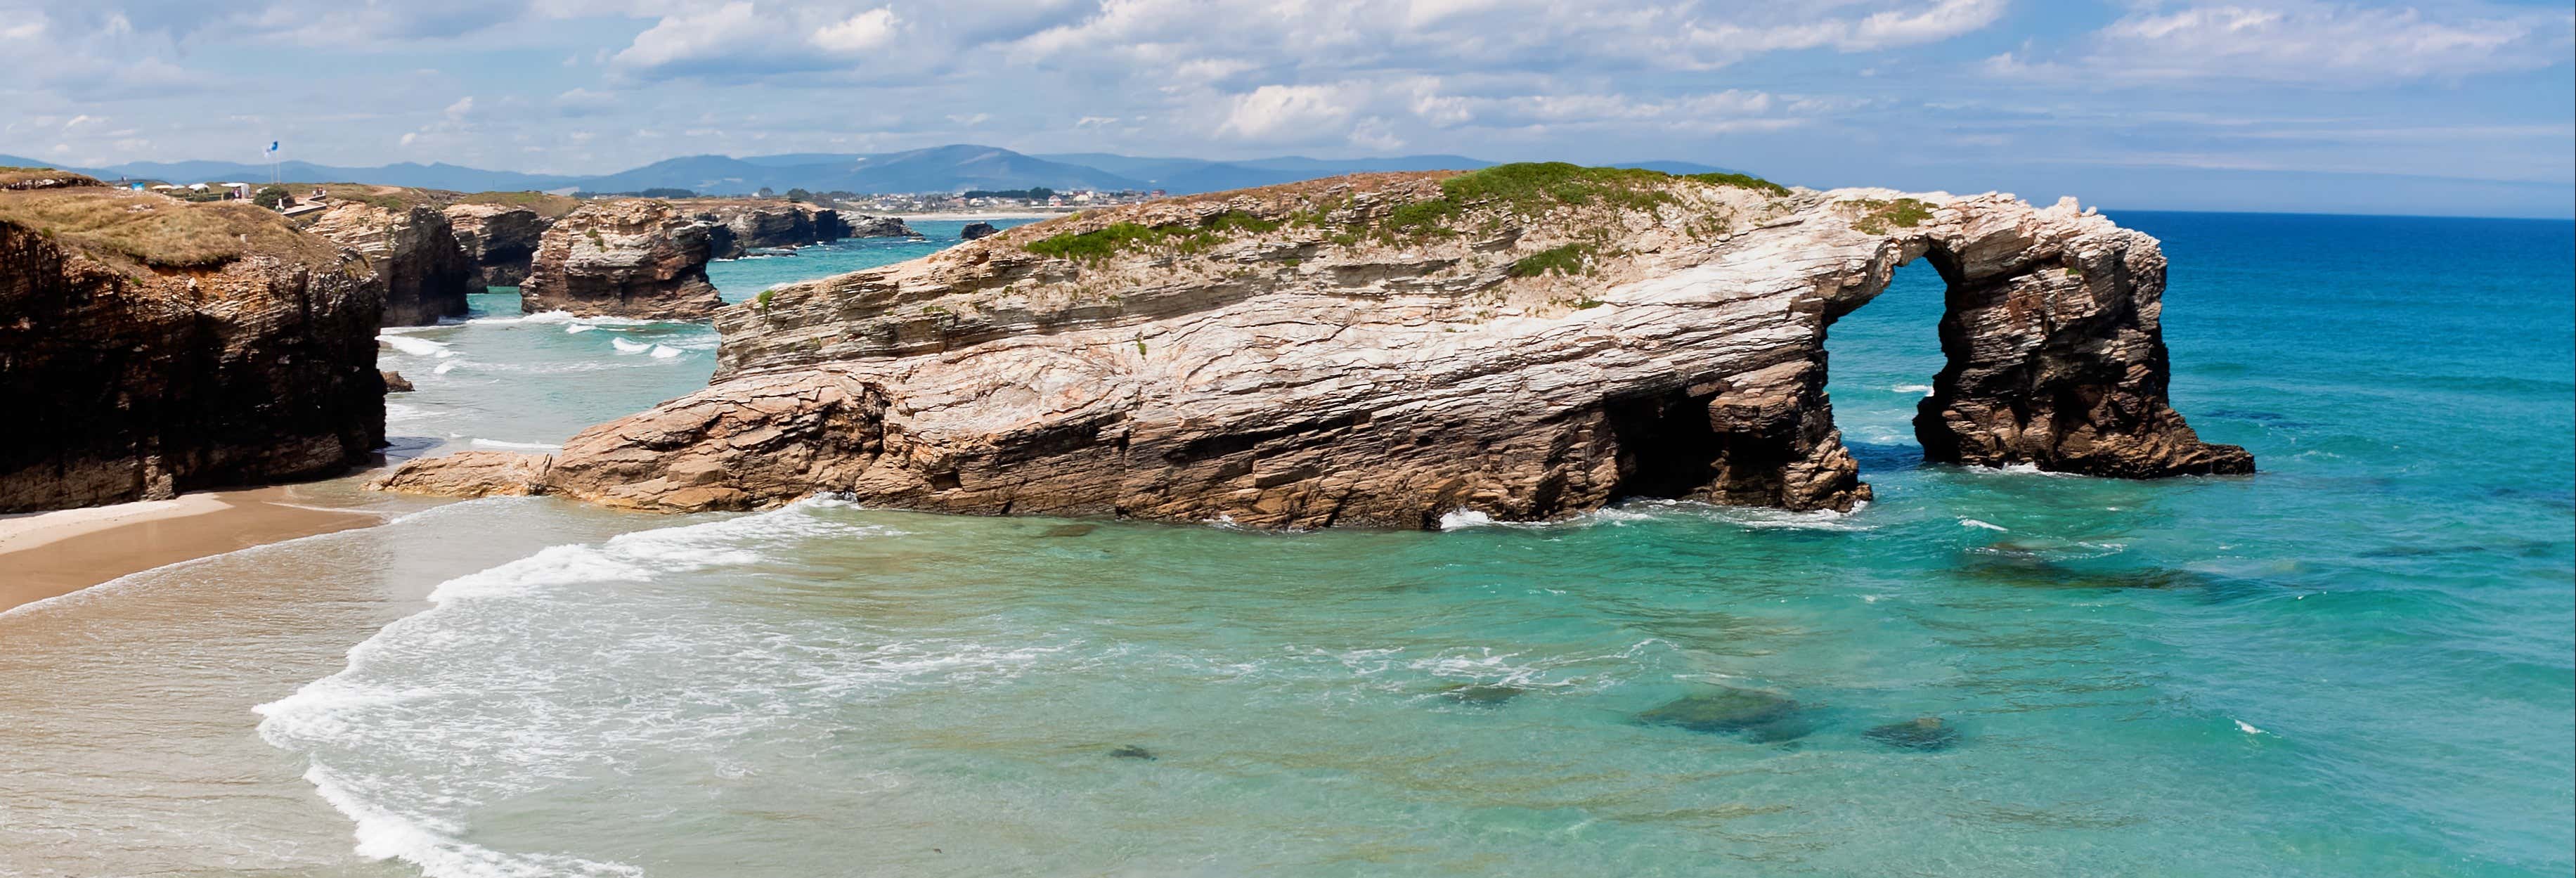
column 426, row 272
column 499, row 239
column 149, row 346
column 1526, row 341
column 627, row 258
column 777, row 223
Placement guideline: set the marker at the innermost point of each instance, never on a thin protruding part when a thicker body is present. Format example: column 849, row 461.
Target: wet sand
column 46, row 554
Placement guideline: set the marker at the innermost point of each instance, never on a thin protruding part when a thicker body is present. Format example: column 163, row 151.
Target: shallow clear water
column 2361, row 661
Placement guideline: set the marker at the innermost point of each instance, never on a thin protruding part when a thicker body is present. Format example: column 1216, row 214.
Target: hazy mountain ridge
column 951, row 168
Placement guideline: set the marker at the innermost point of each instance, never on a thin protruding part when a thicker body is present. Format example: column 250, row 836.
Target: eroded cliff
column 768, row 223
column 627, row 258
column 1526, row 341
column 500, row 240
column 426, row 272
column 149, row 346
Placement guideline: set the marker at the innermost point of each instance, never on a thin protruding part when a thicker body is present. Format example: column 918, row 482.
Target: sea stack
column 628, row 258
column 1525, row 342
column 973, row 231
column 150, row 346
column 426, row 272
column 500, row 240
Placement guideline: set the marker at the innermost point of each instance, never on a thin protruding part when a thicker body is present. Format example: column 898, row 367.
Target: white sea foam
column 532, row 446
column 1970, row 522
column 2248, row 728
column 1464, row 518
column 451, row 709
column 1924, row 389
column 418, row 347
column 445, row 367
column 629, row 347
column 578, row 327
column 665, row 352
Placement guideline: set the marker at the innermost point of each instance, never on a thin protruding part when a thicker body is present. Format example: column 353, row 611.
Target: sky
column 2433, row 107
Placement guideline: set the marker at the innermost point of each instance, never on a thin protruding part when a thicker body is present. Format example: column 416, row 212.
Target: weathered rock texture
column 778, row 223
column 500, row 239
column 426, row 272
column 149, row 346
column 973, row 231
column 1525, row 342
column 471, row 474
column 629, row 258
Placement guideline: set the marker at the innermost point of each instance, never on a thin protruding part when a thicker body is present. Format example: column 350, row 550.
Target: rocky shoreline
column 1525, row 342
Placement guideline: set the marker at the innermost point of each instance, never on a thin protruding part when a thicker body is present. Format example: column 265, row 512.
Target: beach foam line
column 531, row 446
column 629, row 347
column 418, row 347
column 665, row 352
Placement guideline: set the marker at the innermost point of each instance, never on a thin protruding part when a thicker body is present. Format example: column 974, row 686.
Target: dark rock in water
column 1482, row 694
column 1759, row 716
column 1132, row 752
column 395, row 383
column 1069, row 530
column 1922, row 733
column 978, row 230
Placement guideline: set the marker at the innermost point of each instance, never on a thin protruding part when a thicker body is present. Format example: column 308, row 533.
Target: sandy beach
column 62, row 551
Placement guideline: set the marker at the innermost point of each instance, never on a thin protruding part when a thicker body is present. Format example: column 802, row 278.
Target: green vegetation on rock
column 1102, row 243
column 1883, row 215
column 1563, row 259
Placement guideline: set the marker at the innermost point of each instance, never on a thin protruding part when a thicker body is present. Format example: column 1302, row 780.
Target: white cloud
column 1283, row 112
column 868, row 30
column 2304, row 42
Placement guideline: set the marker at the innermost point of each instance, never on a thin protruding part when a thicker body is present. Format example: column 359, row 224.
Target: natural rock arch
column 1300, row 356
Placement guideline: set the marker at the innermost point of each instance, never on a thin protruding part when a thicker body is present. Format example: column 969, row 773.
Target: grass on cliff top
column 1532, row 188
column 12, row 176
column 1883, row 215
column 1520, row 189
column 126, row 228
column 1102, row 243
column 548, row 206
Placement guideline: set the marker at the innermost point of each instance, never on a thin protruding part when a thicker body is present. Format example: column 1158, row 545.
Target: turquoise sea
column 2361, row 661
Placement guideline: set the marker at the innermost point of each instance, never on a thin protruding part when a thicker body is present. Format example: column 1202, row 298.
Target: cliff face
column 148, row 347
column 1525, row 341
column 499, row 239
column 786, row 224
column 629, row 258
column 426, row 272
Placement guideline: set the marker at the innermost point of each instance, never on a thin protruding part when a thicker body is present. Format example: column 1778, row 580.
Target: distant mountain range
column 936, row 169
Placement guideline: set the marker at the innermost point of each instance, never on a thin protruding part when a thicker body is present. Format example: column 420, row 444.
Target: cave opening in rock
column 1881, row 361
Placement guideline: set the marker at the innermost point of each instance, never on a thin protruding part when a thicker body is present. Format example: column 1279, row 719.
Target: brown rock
column 468, row 474
column 150, row 346
column 426, row 272
column 395, row 383
column 500, row 240
column 628, row 258
column 1386, row 349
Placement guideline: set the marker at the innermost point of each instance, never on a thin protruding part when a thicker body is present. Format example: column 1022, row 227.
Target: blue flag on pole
column 272, row 146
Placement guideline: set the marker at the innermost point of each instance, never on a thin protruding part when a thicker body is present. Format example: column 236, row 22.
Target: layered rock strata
column 1525, row 342
column 786, row 224
column 426, row 271
column 499, row 239
column 629, row 258
column 149, row 346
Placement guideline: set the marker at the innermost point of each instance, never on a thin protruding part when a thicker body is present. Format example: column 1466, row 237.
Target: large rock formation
column 426, row 272
column 1525, row 342
column 500, row 239
column 768, row 223
column 149, row 346
column 628, row 258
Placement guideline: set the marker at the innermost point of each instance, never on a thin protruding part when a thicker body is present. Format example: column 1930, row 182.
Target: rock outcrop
column 629, row 258
column 1525, row 342
column 426, row 272
column 973, row 231
column 500, row 240
column 767, row 223
column 149, row 346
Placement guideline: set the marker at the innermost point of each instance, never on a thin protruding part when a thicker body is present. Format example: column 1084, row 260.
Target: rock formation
column 149, row 346
column 628, row 258
column 426, row 272
column 1526, row 342
column 973, row 231
column 767, row 223
column 500, row 239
